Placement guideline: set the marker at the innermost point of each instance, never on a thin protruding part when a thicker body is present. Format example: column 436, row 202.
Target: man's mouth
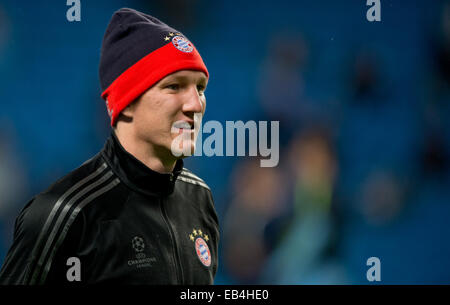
column 183, row 126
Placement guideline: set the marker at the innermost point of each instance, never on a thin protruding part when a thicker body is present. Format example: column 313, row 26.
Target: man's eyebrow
column 202, row 79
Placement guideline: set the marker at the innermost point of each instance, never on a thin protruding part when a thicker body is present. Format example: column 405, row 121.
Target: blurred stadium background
column 364, row 114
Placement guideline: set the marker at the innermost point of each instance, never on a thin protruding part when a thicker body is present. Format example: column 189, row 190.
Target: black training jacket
column 125, row 223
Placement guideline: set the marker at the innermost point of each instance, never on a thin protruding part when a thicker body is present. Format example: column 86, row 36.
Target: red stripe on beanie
column 138, row 78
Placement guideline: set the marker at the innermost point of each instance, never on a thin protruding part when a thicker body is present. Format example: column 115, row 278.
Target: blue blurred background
column 364, row 138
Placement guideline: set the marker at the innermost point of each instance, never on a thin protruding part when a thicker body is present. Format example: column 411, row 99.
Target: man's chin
column 183, row 152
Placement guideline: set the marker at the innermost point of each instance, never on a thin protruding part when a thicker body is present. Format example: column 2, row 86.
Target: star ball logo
column 138, row 244
column 201, row 247
column 141, row 261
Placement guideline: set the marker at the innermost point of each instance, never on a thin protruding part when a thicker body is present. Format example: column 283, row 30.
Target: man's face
column 166, row 111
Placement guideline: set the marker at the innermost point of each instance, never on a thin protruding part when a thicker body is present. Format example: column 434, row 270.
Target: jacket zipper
column 178, row 269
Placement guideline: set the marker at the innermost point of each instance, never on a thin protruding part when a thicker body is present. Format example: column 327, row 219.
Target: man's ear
column 129, row 110
column 126, row 115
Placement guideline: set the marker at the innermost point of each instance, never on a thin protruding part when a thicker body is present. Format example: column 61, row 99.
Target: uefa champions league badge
column 182, row 44
column 201, row 247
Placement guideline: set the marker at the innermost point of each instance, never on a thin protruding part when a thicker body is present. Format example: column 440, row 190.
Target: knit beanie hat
column 139, row 50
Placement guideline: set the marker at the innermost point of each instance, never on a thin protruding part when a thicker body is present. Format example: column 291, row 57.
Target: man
column 132, row 214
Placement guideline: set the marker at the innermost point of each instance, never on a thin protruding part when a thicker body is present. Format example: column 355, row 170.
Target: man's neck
column 147, row 154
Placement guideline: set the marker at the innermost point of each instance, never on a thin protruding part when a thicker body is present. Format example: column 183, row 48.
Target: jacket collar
column 136, row 174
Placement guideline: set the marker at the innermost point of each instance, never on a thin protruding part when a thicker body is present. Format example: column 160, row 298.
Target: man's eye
column 201, row 89
column 173, row 86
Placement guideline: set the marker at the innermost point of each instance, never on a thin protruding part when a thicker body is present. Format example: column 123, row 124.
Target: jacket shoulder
column 65, row 190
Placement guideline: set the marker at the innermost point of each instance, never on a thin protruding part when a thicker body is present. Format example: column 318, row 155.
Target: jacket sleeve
column 18, row 260
column 215, row 238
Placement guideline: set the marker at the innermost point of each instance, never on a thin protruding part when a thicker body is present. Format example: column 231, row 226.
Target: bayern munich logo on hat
column 203, row 252
column 182, row 44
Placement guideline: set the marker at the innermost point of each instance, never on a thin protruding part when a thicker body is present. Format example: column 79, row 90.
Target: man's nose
column 193, row 102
